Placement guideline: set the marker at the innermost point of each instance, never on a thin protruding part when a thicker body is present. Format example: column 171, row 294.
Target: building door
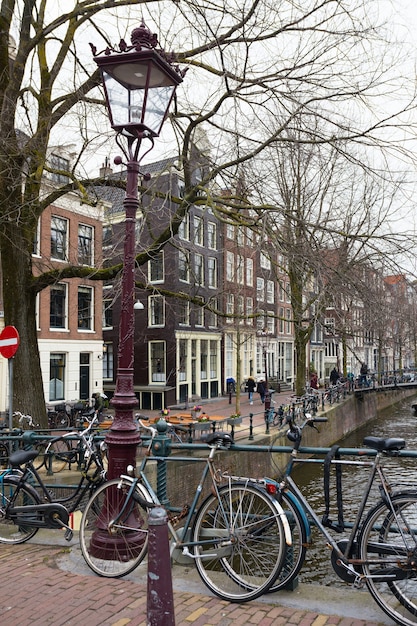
column 84, row 375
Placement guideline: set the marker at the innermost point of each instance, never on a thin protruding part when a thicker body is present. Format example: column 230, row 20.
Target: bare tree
column 254, row 66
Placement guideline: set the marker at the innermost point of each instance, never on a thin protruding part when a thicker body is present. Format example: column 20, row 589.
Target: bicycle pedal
column 68, row 534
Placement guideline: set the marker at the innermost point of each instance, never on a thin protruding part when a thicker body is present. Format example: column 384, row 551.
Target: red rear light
column 271, row 488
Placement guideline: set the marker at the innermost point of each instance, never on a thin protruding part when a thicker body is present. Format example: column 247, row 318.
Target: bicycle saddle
column 379, row 443
column 219, row 439
column 22, row 456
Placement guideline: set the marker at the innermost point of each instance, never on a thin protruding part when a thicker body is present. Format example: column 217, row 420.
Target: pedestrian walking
column 251, row 386
column 314, row 381
column 260, row 388
column 364, row 375
column 334, row 376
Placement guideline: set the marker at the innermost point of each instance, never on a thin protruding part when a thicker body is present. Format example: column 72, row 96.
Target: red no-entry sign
column 9, row 341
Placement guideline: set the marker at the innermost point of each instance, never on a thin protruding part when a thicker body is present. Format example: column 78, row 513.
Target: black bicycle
column 27, row 504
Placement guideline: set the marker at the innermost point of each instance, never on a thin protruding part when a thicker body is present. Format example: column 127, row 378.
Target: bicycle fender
column 302, row 513
column 10, row 478
column 284, row 520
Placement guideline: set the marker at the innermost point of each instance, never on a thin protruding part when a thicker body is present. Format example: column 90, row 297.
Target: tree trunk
column 20, row 311
column 300, row 356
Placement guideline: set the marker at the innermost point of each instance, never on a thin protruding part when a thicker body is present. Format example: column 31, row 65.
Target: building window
column 230, row 231
column 184, row 313
column 203, row 359
column 157, row 350
column 213, row 358
column 56, row 376
column 59, row 235
column 184, row 229
column 249, row 272
column 60, row 165
column 240, row 236
column 198, row 231
column 199, row 269
column 36, row 250
column 212, row 235
column 270, row 294
column 281, row 320
column 260, row 320
column 249, row 311
column 260, row 289
column 57, row 306
column 107, row 313
column 184, row 266
column 330, row 325
column 85, row 308
column 182, row 359
column 212, row 272
column 85, row 245
column 211, row 316
column 265, row 261
column 156, row 311
column 241, row 309
column 156, row 268
column 288, row 321
column 199, row 314
column 270, row 323
column 240, row 269
column 108, row 361
column 107, row 236
column 230, row 307
column 230, row 266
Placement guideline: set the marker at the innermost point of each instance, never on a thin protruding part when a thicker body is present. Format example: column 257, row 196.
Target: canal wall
column 342, row 419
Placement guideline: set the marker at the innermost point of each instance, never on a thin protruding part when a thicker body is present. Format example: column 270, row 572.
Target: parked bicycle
column 24, row 422
column 236, row 537
column 70, row 448
column 59, row 417
column 27, row 504
column 381, row 549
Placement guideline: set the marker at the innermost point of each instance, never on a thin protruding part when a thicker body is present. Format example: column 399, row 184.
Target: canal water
column 397, row 421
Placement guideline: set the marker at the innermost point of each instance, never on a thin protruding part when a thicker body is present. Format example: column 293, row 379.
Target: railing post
column 250, row 426
column 161, row 446
column 160, row 597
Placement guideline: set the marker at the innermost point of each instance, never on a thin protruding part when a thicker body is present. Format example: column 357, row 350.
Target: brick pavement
column 36, row 592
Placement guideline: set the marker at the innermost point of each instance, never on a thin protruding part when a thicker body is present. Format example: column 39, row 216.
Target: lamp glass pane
column 157, row 105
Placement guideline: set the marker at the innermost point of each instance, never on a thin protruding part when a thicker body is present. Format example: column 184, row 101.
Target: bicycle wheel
column 62, row 420
column 296, row 552
column 4, row 456
column 241, row 542
column 388, row 546
column 40, row 446
column 58, row 455
column 13, row 530
column 114, row 548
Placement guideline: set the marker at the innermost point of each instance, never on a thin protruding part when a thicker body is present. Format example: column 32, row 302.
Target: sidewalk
column 42, row 585
column 46, row 581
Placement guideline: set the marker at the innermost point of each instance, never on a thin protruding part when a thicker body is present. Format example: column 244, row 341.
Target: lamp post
column 264, row 336
column 139, row 84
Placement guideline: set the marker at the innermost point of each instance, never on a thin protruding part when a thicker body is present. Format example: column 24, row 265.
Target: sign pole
column 10, row 394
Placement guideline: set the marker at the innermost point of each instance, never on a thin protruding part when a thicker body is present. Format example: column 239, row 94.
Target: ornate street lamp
column 139, row 83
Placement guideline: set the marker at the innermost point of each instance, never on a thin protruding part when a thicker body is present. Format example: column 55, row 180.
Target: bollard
column 160, row 597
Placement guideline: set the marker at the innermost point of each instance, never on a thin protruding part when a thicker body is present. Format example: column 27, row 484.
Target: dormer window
column 60, row 165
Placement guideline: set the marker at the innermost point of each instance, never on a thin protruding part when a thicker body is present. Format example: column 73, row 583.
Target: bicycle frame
column 299, row 500
column 180, row 541
column 86, row 482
